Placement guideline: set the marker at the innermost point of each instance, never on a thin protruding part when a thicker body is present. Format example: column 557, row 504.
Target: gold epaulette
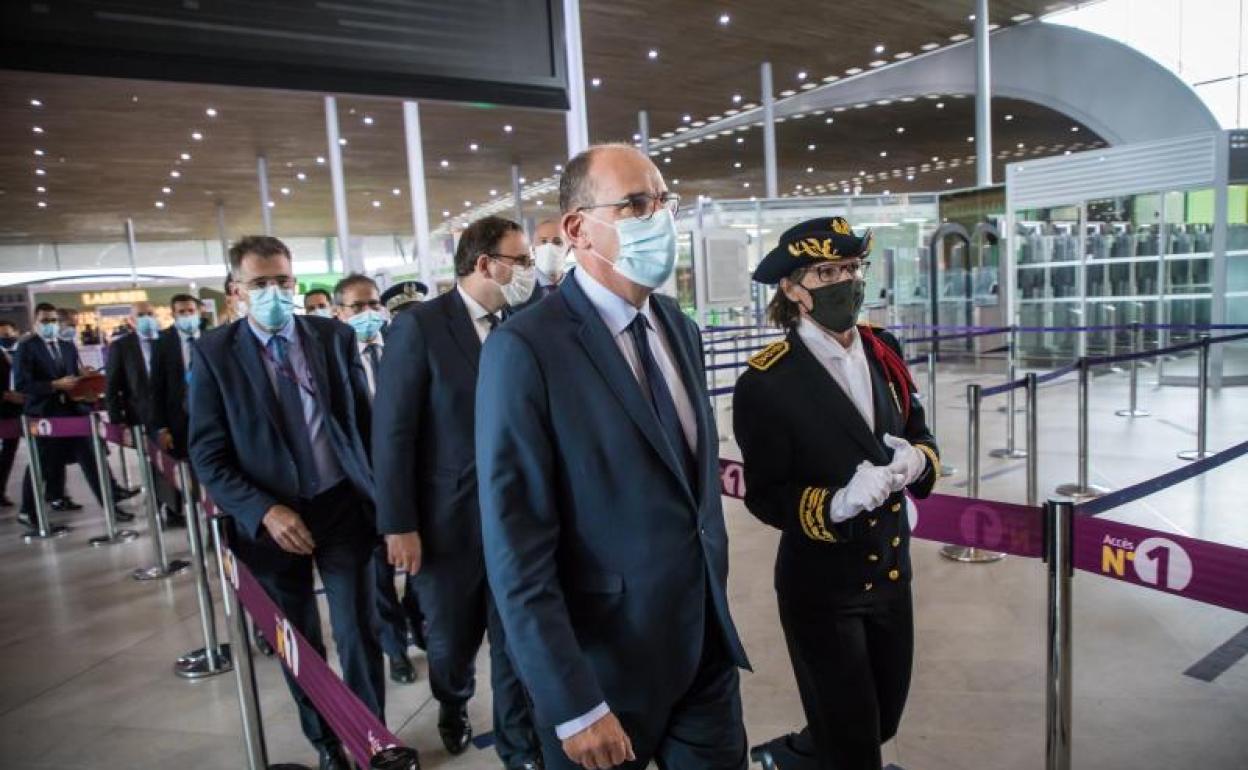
column 768, row 356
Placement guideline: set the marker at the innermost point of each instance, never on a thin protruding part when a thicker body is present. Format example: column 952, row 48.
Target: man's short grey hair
column 576, row 188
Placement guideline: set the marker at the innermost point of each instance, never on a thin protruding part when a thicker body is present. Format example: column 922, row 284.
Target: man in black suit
column 278, row 435
column 45, row 370
column 129, row 391
column 10, row 406
column 549, row 254
column 427, row 483
column 600, row 495
column 170, row 368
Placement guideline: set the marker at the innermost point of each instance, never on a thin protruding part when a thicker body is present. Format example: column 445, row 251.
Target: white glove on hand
column 909, row 462
column 866, row 491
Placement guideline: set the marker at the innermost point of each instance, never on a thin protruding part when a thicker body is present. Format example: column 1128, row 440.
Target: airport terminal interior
column 1044, row 203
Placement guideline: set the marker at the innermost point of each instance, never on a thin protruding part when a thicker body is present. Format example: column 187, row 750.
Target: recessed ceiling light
column 211, row 112
column 40, row 172
column 724, row 19
column 883, row 153
column 285, row 191
column 522, row 180
column 736, row 164
column 879, row 48
column 474, row 147
column 935, row 158
column 185, row 156
column 667, row 158
column 1009, row 117
column 801, row 75
column 160, row 204
column 746, row 185
column 197, row 136
column 396, row 191
column 134, row 99
column 272, row 204
column 301, row 176
column 42, row 204
column 1074, row 129
column 36, row 103
column 175, row 173
column 1020, row 145
column 675, row 181
column 166, row 190
column 368, row 120
column 493, row 193
column 736, row 98
column 595, row 82
column 320, row 159
column 444, row 163
column 507, row 129
column 376, row 204
column 810, row 169
column 828, row 121
column 36, row 129
column 686, row 118
column 653, row 53
column 558, row 167
column 949, row 180
column 901, row 129
column 446, row 213
column 342, row 142
column 41, row 189
column 39, row 153
column 786, row 93
column 467, row 203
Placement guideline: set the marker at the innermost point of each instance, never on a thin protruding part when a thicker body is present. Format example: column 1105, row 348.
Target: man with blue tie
column 128, row 395
column 603, row 526
column 427, row 480
column 278, row 435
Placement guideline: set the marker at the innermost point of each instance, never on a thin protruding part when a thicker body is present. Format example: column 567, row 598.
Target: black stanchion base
column 947, row 470
column 1017, row 410
column 176, row 567
column 395, row 758
column 1080, row 493
column 195, row 664
column 122, row 536
column 970, row 555
column 1194, row 454
column 54, row 531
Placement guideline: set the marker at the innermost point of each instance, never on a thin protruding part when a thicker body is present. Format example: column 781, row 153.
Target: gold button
column 872, row 522
column 867, row 587
column 872, row 557
column 896, row 541
column 896, row 507
column 893, row 574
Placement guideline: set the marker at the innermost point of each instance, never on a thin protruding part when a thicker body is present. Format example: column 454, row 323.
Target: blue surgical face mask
column 647, row 253
column 367, row 324
column 49, row 331
column 187, row 324
column 323, row 312
column 147, row 326
column 68, row 333
column 271, row 306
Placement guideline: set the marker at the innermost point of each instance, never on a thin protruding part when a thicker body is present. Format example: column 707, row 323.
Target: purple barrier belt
column 61, row 427
column 360, row 731
column 1194, row 569
column 10, row 429
column 164, row 462
column 1015, row 529
column 118, row 434
column 1145, row 488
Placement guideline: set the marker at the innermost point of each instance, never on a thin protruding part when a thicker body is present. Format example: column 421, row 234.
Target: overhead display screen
column 500, row 51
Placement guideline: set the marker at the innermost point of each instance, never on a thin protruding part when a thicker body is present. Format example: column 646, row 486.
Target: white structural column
column 262, row 177
column 132, row 247
column 516, row 193
column 221, row 234
column 983, row 97
column 769, row 132
column 416, row 184
column 578, row 126
column 643, row 130
column 339, row 186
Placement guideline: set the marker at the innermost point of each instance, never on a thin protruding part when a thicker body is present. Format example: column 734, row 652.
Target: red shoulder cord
column 895, row 369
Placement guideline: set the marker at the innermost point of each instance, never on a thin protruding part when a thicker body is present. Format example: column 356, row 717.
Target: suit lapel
column 839, row 403
column 314, row 354
column 610, row 363
column 247, row 352
column 672, row 324
column 461, row 327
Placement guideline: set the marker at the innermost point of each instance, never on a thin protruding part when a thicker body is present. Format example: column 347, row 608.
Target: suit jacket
column 168, row 390
column 602, row 560
column 33, row 372
column 423, row 418
column 801, row 440
column 7, row 410
column 236, row 442
column 129, row 391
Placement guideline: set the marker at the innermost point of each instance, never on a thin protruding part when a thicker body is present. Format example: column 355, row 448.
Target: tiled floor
column 86, row 653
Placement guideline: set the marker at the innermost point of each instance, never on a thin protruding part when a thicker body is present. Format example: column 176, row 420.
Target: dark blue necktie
column 58, row 361
column 660, row 398
column 294, row 425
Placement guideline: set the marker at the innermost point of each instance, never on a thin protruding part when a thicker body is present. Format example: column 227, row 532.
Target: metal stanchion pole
column 1133, row 410
column 1111, row 347
column 111, row 535
column 42, row 529
column 1009, row 451
column 962, row 553
column 1012, row 364
column 1058, row 550
column 1083, row 489
column 163, row 567
column 212, row 658
column 125, row 469
column 1202, row 405
column 1033, row 438
column 930, row 403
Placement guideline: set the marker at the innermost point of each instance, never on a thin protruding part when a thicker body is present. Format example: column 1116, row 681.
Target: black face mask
column 835, row 306
column 8, row 343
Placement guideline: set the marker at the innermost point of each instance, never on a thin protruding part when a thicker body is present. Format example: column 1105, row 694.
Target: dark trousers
column 394, row 615
column 340, row 523
column 703, row 730
column 8, row 453
column 459, row 611
column 853, row 668
column 54, row 455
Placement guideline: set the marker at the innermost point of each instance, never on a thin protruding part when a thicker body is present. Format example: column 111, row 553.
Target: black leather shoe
column 121, row 493
column 123, row 515
column 26, row 520
column 454, row 728
column 332, row 758
column 402, row 670
column 263, row 646
column 65, row 504
column 528, row 764
column 794, row 751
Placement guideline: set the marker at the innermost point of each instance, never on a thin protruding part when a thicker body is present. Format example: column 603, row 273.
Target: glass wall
column 1049, row 279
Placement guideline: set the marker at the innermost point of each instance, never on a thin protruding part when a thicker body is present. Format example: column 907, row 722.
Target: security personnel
column 832, row 436
column 402, row 295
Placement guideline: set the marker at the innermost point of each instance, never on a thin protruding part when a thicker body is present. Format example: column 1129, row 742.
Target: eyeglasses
column 281, row 281
column 515, row 260
column 835, row 273
column 359, row 307
column 641, row 205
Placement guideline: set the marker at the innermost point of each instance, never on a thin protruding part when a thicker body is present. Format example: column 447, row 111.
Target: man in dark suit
column 170, row 368
column 600, row 497
column 548, row 256
column 10, row 406
column 427, row 483
column 278, row 436
column 45, row 370
column 129, row 391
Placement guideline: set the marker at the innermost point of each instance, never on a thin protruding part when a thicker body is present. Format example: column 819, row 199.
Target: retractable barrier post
column 1058, row 553
column 43, row 530
column 714, row 385
column 1033, row 438
column 1012, row 363
column 111, row 535
column 1202, row 405
column 930, row 403
column 960, row 552
column 1133, row 410
column 125, row 469
column 212, row 658
column 163, row 567
column 1082, row 489
column 1009, row 451
column 1111, row 347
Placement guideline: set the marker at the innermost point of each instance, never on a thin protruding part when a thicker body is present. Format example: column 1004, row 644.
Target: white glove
column 909, row 462
column 866, row 491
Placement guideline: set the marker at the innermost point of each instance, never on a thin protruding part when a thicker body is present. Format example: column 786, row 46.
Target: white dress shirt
column 380, row 342
column 617, row 313
column 478, row 313
column 145, row 346
column 847, row 366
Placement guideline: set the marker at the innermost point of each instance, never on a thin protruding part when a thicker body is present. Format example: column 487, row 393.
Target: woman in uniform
column 832, row 436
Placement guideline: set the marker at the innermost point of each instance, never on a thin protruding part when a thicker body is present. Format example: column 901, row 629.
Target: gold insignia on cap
column 768, row 356
column 815, row 248
column 840, row 226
